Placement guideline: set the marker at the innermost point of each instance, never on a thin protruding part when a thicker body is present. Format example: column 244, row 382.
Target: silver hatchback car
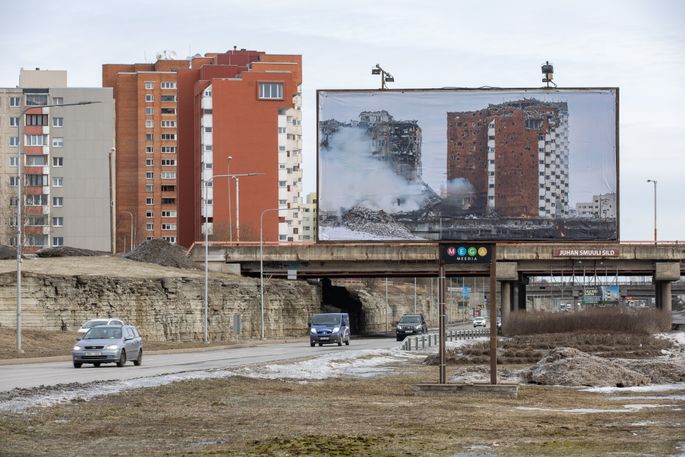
column 109, row 344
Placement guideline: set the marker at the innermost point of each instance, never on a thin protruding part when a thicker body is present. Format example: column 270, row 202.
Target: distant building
column 66, row 167
column 239, row 114
column 515, row 157
column 310, row 218
column 602, row 206
column 146, row 149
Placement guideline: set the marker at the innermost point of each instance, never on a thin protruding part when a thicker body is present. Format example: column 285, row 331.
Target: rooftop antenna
column 548, row 71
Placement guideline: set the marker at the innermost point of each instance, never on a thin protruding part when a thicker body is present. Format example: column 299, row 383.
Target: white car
column 479, row 322
column 96, row 323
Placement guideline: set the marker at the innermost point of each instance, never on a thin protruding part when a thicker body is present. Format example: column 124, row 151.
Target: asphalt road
column 62, row 372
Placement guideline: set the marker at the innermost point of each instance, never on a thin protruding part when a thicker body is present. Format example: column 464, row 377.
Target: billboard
column 468, row 164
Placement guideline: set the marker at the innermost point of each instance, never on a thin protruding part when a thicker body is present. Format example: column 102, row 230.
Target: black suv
column 410, row 324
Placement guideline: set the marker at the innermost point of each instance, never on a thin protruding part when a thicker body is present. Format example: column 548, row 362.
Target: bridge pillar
column 506, row 290
column 507, row 275
column 663, row 295
column 664, row 273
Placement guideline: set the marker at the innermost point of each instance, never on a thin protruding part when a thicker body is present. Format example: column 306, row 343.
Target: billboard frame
column 614, row 89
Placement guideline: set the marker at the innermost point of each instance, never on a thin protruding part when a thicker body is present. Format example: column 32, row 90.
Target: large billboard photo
column 468, row 164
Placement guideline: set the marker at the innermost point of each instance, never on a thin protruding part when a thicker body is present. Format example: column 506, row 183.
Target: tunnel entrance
column 337, row 299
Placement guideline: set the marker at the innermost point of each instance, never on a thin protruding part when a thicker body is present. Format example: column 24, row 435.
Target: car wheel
column 139, row 360
column 340, row 341
column 77, row 364
column 96, row 364
column 347, row 341
column 399, row 338
column 312, row 344
column 320, row 344
column 122, row 359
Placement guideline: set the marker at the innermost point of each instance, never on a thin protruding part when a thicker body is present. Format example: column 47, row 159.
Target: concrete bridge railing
column 417, row 342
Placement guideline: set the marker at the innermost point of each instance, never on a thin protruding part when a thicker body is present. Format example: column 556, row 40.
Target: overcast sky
column 638, row 46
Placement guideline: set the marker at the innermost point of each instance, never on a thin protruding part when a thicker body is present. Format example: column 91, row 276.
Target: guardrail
column 416, row 342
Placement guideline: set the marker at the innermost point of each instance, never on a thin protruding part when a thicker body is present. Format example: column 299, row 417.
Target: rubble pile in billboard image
column 523, row 164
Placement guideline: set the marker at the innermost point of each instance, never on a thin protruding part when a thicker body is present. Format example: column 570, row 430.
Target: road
column 63, row 372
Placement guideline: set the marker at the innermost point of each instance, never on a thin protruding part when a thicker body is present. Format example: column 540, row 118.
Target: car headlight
column 399, row 327
column 312, row 331
column 336, row 329
column 418, row 327
column 112, row 347
column 77, row 348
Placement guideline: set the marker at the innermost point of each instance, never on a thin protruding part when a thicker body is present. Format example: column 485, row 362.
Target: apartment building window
column 35, row 221
column 58, row 161
column 167, row 85
column 58, row 122
column 36, row 180
column 57, row 202
column 271, row 91
column 58, row 221
column 208, row 93
column 281, row 184
column 36, row 240
column 36, row 161
column 168, row 162
column 149, row 214
column 149, row 226
column 149, row 201
column 58, row 100
column 14, row 161
column 58, row 241
column 36, row 200
column 14, row 141
column 149, row 98
column 168, row 226
column 168, row 175
column 149, row 84
column 14, row 102
column 14, row 121
column 13, row 182
column 148, row 238
column 168, row 213
column 36, row 99
column 167, row 188
column 149, row 175
column 168, row 110
column 170, row 239
column 57, row 181
column 149, row 124
column 171, row 201
column 167, row 98
column 208, row 147
column 58, row 142
column 281, row 129
column 35, row 140
column 149, row 137
column 150, row 149
column 168, row 137
column 208, row 129
column 209, row 165
column 168, row 149
column 149, row 162
column 149, row 111
column 168, row 124
column 36, row 119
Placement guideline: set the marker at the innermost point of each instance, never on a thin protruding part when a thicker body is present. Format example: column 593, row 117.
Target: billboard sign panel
column 462, row 164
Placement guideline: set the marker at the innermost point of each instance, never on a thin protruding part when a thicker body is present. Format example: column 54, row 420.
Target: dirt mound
column 67, row 251
column 571, row 367
column 162, row 253
column 659, row 372
column 7, row 252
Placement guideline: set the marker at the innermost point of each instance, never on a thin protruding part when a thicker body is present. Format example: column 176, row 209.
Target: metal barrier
column 416, row 342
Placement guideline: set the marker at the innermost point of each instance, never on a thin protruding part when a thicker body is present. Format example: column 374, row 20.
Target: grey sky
column 638, row 46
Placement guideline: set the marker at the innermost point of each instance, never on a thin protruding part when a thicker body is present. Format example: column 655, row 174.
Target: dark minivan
column 326, row 328
column 410, row 324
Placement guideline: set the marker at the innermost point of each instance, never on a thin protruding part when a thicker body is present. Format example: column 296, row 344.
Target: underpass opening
column 339, row 299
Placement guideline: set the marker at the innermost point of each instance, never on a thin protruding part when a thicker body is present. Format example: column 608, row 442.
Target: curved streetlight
column 132, row 226
column 261, row 263
column 20, row 203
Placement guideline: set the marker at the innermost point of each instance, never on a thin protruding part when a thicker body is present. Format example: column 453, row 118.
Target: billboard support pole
column 441, row 295
column 492, row 301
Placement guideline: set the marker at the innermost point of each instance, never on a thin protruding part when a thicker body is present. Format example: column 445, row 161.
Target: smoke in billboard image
column 474, row 165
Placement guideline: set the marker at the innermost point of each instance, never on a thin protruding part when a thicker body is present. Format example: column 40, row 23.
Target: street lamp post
column 237, row 200
column 261, row 263
column 654, row 181
column 230, row 216
column 20, row 204
column 132, row 225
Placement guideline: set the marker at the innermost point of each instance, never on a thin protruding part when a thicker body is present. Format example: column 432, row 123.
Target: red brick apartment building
column 514, row 155
column 146, row 150
column 239, row 113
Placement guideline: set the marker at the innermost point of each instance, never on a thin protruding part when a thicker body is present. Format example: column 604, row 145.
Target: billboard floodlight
column 548, row 71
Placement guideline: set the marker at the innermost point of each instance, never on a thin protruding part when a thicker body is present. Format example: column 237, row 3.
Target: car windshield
column 95, row 323
column 103, row 333
column 410, row 319
column 325, row 319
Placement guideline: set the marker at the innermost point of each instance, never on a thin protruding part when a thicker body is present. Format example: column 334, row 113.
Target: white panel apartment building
column 66, row 155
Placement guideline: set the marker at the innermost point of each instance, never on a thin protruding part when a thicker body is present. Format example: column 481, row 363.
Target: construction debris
column 161, row 252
